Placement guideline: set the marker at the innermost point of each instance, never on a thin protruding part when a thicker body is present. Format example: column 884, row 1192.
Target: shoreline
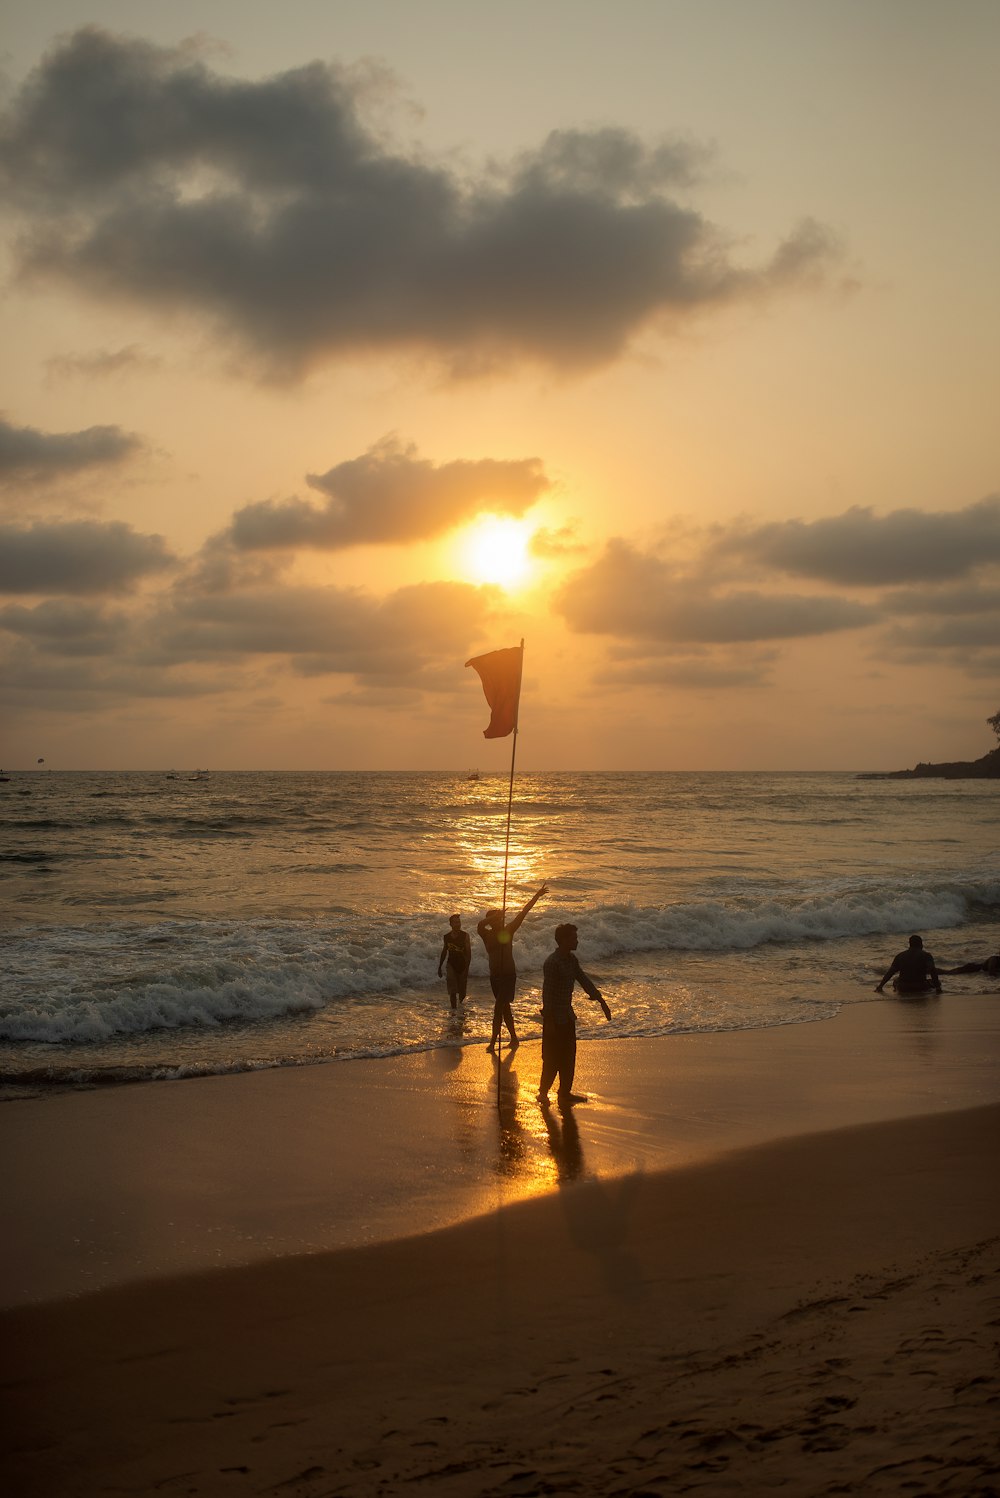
column 158, row 1179
column 815, row 1313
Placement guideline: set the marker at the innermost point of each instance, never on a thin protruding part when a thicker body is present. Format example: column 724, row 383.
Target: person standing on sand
column 457, row 951
column 560, row 972
column 914, row 969
column 498, row 939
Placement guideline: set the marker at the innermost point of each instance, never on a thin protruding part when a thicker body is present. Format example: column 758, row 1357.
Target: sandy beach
column 752, row 1261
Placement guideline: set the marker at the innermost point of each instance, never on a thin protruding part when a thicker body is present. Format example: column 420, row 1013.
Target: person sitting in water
column 913, row 970
column 991, row 967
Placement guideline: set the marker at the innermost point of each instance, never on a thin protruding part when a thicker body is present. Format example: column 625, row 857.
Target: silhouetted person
column 560, row 972
column 991, row 967
column 457, row 951
column 498, row 939
column 913, row 970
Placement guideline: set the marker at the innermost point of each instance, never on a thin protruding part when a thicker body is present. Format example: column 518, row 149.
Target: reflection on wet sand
column 564, row 1142
column 514, row 1157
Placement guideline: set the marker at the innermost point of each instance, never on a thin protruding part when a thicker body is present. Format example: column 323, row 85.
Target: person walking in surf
column 457, row 951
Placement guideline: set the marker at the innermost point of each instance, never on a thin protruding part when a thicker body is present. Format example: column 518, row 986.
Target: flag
column 500, row 674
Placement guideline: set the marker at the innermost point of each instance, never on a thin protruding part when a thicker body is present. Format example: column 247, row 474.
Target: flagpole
column 510, row 789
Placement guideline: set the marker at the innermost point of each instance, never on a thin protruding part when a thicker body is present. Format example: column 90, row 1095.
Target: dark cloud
column 273, row 209
column 30, row 456
column 862, row 549
column 183, row 643
column 631, row 595
column 968, row 599
column 77, row 557
column 64, row 627
column 102, row 364
column 327, row 630
column 967, row 631
column 390, row 494
column 31, row 678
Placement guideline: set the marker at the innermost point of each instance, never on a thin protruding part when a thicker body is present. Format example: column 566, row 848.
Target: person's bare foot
column 572, row 1097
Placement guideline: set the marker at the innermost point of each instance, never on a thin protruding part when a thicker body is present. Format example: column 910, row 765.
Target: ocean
column 158, row 926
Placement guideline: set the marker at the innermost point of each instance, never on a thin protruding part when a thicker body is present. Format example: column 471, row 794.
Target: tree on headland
column 994, row 723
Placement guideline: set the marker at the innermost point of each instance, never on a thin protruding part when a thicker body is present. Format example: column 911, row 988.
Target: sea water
column 162, row 925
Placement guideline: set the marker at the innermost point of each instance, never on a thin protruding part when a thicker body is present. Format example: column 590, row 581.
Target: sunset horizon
column 342, row 350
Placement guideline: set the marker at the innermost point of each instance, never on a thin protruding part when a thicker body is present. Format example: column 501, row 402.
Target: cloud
column 102, row 364
column 969, row 599
column 549, row 544
column 689, row 671
column 82, row 556
column 66, row 628
column 633, row 595
column 329, row 630
column 861, row 549
column 182, row 643
column 272, row 209
column 390, row 494
column 30, row 456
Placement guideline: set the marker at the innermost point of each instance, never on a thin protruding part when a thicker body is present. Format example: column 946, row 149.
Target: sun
column 496, row 551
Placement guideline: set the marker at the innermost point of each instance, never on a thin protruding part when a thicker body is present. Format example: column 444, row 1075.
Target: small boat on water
column 199, row 775
column 473, row 775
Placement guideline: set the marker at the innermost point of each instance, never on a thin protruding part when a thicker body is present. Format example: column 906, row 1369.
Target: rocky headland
column 986, row 768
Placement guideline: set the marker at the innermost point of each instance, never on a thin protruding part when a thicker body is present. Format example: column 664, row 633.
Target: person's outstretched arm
column 893, row 968
column 524, row 910
column 590, row 988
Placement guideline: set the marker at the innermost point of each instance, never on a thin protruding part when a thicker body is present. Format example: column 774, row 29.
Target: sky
column 345, row 342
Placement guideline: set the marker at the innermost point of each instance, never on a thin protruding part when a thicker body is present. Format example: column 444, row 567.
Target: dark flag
column 500, row 674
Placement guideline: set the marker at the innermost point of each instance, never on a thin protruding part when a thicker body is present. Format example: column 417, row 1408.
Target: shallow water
column 166, row 926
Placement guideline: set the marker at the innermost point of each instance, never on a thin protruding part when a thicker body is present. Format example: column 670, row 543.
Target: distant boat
column 199, row 775
column 473, row 775
column 4, row 778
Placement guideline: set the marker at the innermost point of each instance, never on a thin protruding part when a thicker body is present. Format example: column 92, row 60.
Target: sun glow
column 496, row 551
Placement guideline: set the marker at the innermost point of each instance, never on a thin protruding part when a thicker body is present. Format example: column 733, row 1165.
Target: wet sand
column 740, row 1266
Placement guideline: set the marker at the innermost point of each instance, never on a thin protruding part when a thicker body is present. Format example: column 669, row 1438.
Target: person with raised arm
column 498, row 939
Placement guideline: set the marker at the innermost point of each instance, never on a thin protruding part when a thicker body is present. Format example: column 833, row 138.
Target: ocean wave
column 92, row 984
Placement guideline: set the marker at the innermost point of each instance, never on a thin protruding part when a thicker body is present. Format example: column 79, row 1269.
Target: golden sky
column 347, row 341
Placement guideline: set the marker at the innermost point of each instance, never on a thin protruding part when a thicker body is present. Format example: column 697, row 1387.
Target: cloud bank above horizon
column 269, row 206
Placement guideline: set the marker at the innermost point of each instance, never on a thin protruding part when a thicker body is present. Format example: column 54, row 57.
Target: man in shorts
column 457, row 952
column 560, row 972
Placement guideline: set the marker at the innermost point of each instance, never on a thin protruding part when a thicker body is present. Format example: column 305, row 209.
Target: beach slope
column 817, row 1314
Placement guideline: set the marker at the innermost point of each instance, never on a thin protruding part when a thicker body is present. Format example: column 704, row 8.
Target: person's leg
column 497, row 1009
column 506, row 986
column 550, row 1059
column 567, row 1060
